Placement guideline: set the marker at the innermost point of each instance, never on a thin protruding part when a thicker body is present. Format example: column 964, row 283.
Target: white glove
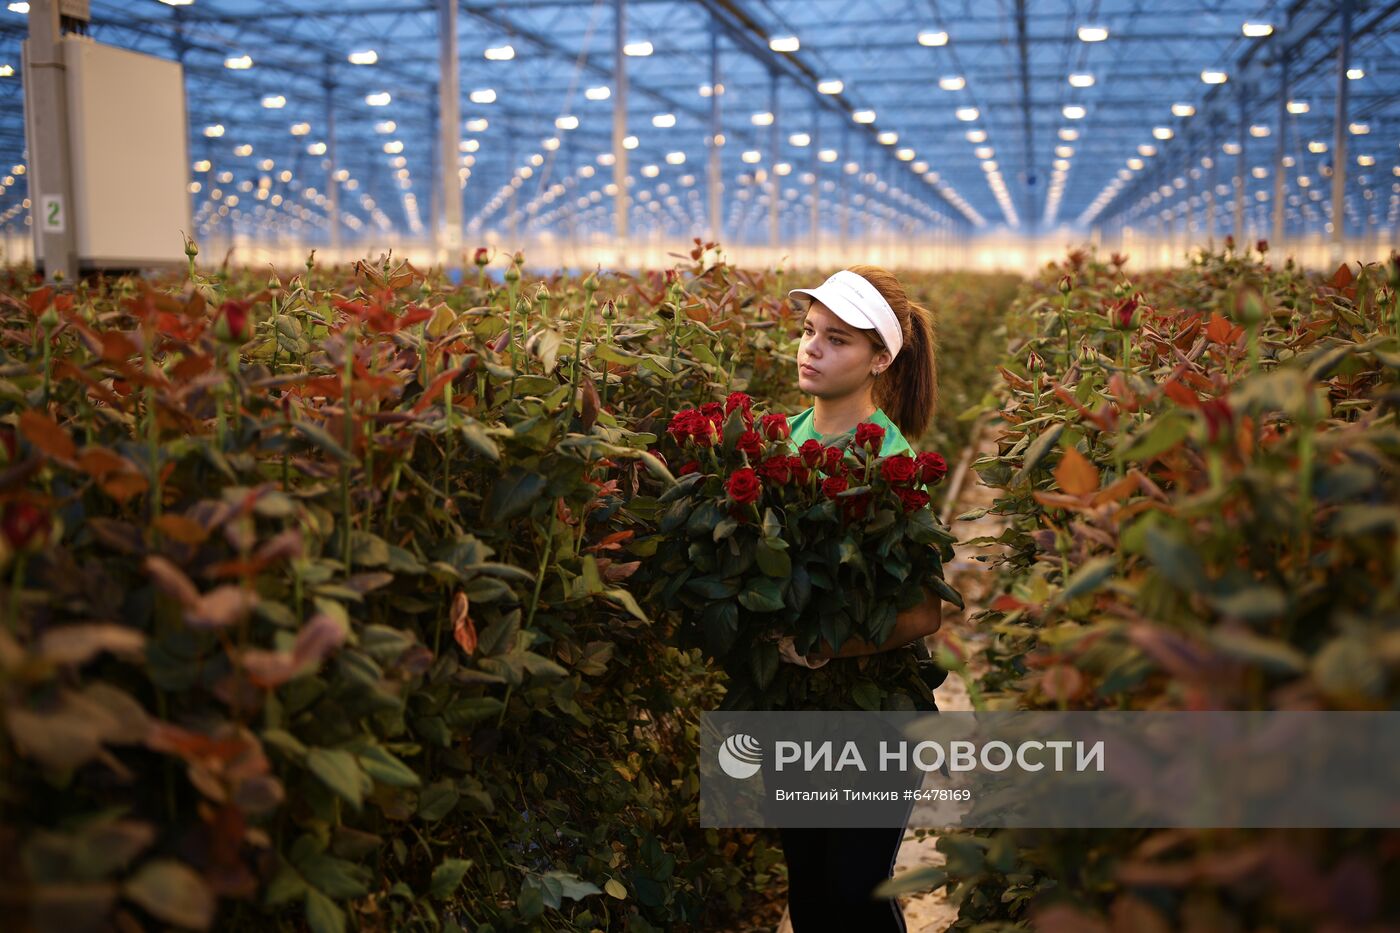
column 787, row 650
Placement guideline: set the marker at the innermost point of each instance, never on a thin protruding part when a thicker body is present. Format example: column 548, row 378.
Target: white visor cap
column 854, row 300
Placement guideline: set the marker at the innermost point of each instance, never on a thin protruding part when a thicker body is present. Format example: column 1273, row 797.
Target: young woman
column 867, row 354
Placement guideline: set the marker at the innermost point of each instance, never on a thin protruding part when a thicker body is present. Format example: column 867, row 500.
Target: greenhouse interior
column 463, row 461
column 928, row 135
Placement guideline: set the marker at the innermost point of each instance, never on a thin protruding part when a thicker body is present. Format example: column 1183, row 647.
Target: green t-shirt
column 893, row 443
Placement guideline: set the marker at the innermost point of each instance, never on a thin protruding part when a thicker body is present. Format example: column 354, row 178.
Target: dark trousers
column 831, row 873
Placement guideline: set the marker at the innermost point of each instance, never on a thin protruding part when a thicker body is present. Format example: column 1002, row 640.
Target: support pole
column 1241, row 179
column 46, row 103
column 621, row 199
column 714, row 184
column 1280, row 151
column 774, row 189
column 449, row 131
column 332, row 185
column 816, row 220
column 1339, row 136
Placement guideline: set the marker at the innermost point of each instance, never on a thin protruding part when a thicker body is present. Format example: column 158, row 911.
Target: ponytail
column 907, row 391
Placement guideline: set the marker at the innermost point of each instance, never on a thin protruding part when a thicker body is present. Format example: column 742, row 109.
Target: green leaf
column 1177, row 563
column 1267, row 653
column 763, row 663
column 615, row 889
column 513, row 494
column 173, row 892
column 339, row 771
column 319, row 437
column 474, row 433
column 386, row 769
column 437, row 800
column 322, row 914
column 712, row 588
column 368, row 550
column 763, row 594
column 612, row 354
column 1088, row 578
column 570, row 885
column 628, row 602
column 1251, row 602
column 335, row 877
column 1156, row 438
column 773, row 561
column 866, row 695
column 447, row 877
column 927, row 878
column 1039, row 448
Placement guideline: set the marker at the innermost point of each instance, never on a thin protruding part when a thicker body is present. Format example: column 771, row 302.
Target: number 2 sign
column 52, row 215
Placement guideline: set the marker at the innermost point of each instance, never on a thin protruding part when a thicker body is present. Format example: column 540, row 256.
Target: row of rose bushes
column 1200, row 469
column 317, row 605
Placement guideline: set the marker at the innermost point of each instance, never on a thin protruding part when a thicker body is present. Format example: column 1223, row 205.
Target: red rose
column 683, row 424
column 1123, row 314
column 691, row 467
column 932, row 467
column 775, row 427
column 899, row 469
column 869, row 433
column 833, row 485
column 775, row 470
column 481, row 257
column 800, row 474
column 912, row 498
column 834, row 458
column 713, row 410
column 856, row 508
column 744, row 486
column 811, row 451
column 24, row 524
column 740, row 400
column 750, row 443
column 233, row 323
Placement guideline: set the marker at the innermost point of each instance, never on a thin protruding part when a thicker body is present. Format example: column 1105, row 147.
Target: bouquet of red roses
column 760, row 539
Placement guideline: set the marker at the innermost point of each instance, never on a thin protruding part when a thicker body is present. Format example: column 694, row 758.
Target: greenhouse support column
column 1339, row 135
column 846, row 190
column 714, row 183
column 816, row 181
column 1212, row 179
column 619, row 133
column 1280, row 151
column 332, row 186
column 46, row 106
column 449, row 130
column 774, row 189
column 1241, row 183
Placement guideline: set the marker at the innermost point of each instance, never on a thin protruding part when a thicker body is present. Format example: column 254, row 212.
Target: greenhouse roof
column 936, row 114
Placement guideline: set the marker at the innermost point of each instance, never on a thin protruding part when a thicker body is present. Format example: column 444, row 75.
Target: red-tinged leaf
column 1117, row 491
column 1221, row 331
column 318, row 638
column 117, row 347
column 99, row 461
column 46, row 434
column 78, row 644
column 1342, row 277
column 191, row 367
column 171, row 580
column 123, row 486
column 1058, row 500
column 612, row 542
column 591, row 404
column 463, row 629
column 1008, row 603
column 401, row 280
column 181, row 529
column 284, row 544
column 193, row 746
column 39, row 300
column 616, row 573
column 435, row 389
column 1075, row 474
column 1061, row 682
column 221, row 607
column 1180, row 394
column 1014, row 380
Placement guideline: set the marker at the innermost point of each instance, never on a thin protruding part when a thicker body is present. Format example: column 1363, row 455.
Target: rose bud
column 868, row 433
column 775, row 427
